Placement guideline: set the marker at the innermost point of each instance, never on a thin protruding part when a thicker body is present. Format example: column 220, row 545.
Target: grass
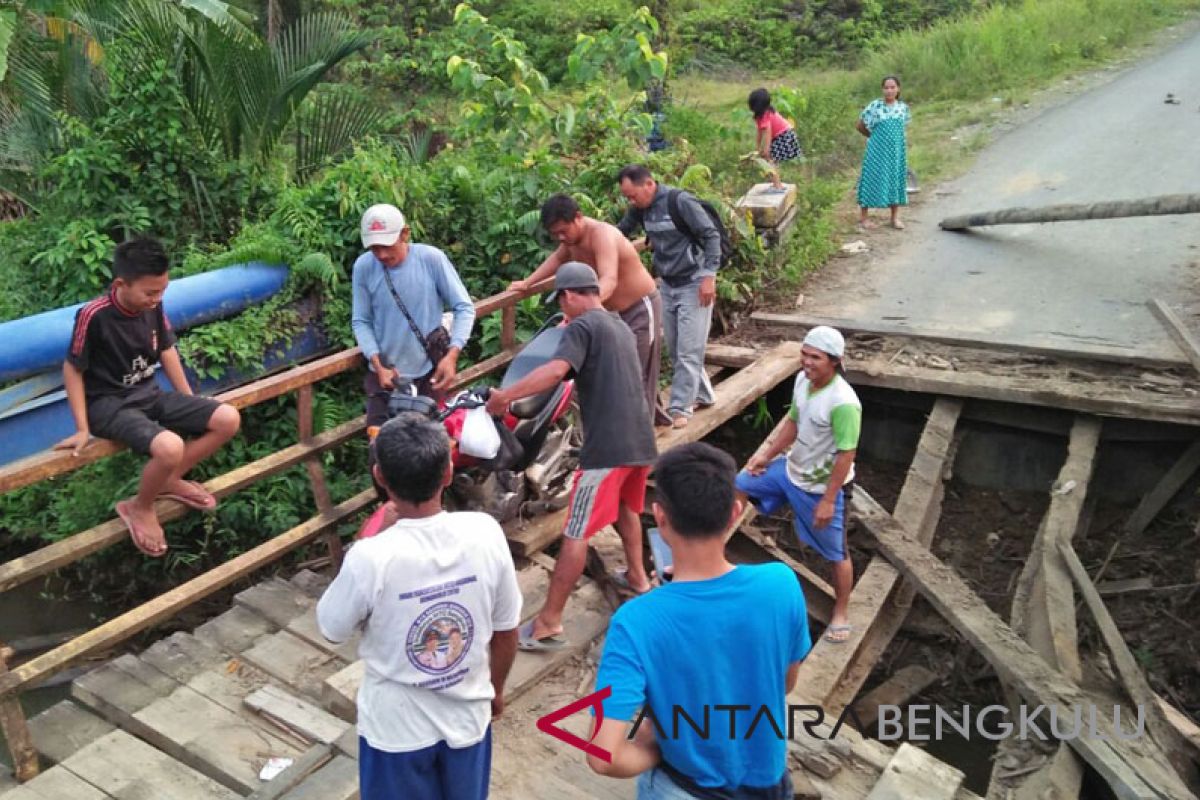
column 951, row 72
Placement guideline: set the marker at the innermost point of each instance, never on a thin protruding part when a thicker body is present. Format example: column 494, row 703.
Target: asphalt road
column 1077, row 285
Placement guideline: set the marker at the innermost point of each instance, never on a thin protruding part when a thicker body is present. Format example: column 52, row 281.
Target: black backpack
column 681, row 224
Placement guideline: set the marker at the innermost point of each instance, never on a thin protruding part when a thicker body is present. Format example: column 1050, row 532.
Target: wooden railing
column 47, row 559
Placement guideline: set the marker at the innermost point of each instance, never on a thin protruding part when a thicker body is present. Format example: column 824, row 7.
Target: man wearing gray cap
column 822, row 431
column 618, row 441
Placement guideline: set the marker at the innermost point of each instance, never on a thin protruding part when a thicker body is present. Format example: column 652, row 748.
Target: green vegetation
column 235, row 134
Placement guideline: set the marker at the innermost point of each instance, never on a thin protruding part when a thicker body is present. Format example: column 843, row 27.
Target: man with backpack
column 687, row 241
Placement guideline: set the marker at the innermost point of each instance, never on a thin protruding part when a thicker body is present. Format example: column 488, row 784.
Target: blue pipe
column 38, row 343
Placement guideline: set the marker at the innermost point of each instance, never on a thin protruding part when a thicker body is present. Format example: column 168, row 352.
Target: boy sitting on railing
column 109, row 377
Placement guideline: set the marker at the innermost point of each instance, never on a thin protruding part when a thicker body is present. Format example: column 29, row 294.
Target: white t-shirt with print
column 827, row 420
column 429, row 593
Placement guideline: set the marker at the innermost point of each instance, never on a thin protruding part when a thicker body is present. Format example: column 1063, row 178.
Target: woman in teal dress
column 883, row 181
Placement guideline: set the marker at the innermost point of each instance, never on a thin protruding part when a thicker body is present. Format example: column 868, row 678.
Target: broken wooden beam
column 1158, row 497
column 1133, row 770
column 1043, row 608
column 1187, row 340
column 834, row 673
column 900, row 687
column 1132, row 679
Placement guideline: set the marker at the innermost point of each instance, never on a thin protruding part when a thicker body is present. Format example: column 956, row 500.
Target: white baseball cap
column 827, row 340
column 381, row 224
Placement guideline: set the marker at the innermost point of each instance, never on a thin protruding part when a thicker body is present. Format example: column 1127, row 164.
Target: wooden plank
column 184, row 724
column 170, row 603
column 1133, row 680
column 129, row 769
column 297, row 714
column 833, row 673
column 1131, row 772
column 275, row 600
column 914, row 773
column 900, row 687
column 313, row 759
column 1187, row 729
column 339, row 694
column 1043, row 609
column 1104, row 399
column 65, row 727
column 585, row 619
column 293, row 661
column 66, row 551
column 1187, row 340
column 305, row 627
column 211, row 739
column 234, row 630
column 337, row 780
column 736, row 394
column 56, row 784
column 1158, row 497
column 852, row 327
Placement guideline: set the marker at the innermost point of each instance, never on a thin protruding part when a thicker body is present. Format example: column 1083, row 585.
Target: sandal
column 546, row 644
column 620, row 579
column 136, row 534
column 837, row 634
column 198, row 498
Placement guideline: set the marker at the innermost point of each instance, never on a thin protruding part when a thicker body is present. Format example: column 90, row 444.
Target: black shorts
column 134, row 420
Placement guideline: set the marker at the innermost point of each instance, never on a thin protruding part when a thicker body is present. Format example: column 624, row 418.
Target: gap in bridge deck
column 1002, row 477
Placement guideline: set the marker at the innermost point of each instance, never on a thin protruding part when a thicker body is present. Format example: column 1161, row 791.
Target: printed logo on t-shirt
column 440, row 638
column 139, row 370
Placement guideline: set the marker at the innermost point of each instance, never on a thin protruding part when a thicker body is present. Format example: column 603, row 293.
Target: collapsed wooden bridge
column 200, row 714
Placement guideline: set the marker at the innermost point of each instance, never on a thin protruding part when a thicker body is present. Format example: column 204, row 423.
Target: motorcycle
column 540, row 437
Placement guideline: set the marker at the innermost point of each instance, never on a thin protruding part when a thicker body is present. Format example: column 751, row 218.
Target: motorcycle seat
column 538, row 351
column 530, row 407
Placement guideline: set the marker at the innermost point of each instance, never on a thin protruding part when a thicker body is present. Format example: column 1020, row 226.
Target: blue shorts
column 440, row 772
column 773, row 488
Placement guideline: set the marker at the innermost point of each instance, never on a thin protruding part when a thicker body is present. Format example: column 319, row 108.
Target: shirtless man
column 625, row 285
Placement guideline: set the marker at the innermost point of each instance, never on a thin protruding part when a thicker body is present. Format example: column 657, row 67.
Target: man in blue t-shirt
column 720, row 644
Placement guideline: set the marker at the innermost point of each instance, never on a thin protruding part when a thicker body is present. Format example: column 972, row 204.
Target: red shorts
column 597, row 494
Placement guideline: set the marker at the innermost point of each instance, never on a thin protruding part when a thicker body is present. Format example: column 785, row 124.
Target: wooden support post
column 316, row 474
column 1043, row 609
column 16, row 729
column 1187, row 340
column 834, row 673
column 1132, row 769
column 508, row 328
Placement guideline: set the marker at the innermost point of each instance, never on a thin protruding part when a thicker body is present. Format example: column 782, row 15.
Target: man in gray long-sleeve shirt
column 426, row 282
column 686, row 262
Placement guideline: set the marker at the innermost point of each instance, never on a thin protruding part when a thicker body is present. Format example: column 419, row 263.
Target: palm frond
column 329, row 125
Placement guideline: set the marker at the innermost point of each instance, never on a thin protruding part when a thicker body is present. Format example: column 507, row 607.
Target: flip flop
column 546, row 644
column 680, row 422
column 620, row 579
column 200, row 498
column 837, row 634
column 135, row 533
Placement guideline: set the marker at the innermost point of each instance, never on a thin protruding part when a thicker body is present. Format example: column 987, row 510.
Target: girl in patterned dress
column 883, row 181
column 776, row 139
